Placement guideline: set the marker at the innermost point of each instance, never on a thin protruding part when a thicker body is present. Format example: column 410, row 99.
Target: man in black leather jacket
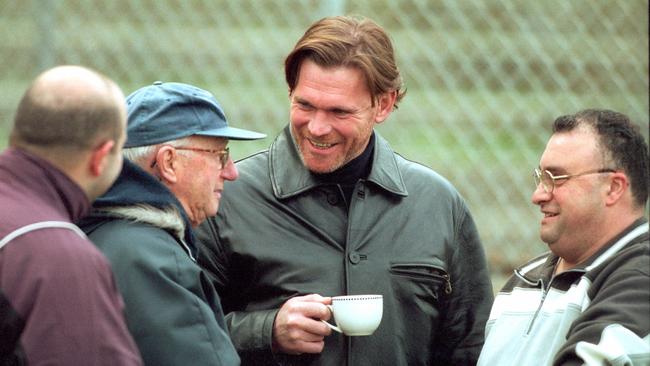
column 329, row 209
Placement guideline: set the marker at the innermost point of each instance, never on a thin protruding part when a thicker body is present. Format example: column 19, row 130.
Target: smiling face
column 332, row 116
column 574, row 212
column 200, row 179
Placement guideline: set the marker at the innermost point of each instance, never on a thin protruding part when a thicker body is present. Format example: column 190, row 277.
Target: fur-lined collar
column 168, row 219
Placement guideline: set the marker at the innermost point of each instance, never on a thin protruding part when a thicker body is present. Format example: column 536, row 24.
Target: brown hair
column 350, row 42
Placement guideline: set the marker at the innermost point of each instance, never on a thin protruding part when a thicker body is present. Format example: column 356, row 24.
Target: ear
column 98, row 158
column 386, row 103
column 166, row 164
column 618, row 186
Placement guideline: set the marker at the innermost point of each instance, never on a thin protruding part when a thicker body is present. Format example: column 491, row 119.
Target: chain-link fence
column 485, row 78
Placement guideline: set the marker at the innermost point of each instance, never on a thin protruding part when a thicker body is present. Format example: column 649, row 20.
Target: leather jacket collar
column 289, row 177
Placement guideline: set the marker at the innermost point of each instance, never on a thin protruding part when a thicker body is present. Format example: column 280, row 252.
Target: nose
column 230, row 172
column 319, row 124
column 540, row 195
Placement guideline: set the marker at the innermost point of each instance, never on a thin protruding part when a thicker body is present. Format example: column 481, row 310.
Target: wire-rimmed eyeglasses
column 222, row 155
column 548, row 179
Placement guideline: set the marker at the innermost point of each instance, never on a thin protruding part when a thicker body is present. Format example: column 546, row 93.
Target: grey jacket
column 408, row 235
column 596, row 313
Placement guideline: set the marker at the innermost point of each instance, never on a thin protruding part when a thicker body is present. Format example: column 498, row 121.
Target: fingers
column 297, row 327
column 312, row 306
column 297, row 342
column 313, row 298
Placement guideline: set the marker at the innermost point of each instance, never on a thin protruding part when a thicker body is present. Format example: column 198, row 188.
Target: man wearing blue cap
column 177, row 161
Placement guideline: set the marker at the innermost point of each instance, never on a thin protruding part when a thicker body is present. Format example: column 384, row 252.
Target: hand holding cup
column 297, row 328
column 356, row 315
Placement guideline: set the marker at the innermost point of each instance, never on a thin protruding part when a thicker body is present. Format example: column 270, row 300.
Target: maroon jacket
column 58, row 302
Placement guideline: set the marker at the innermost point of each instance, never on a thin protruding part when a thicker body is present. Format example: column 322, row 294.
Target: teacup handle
column 333, row 327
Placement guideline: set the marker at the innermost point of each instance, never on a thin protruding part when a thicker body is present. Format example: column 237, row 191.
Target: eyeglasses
column 548, row 179
column 223, row 155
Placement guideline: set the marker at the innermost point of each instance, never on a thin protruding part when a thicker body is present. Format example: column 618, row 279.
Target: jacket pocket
column 424, row 272
column 419, row 306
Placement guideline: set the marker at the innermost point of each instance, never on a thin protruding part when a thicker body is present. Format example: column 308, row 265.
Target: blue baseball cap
column 169, row 111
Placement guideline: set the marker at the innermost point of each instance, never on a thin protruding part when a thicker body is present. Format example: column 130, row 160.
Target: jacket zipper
column 439, row 274
column 539, row 282
column 539, row 308
column 545, row 292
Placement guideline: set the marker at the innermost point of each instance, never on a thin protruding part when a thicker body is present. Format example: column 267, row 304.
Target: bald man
column 58, row 300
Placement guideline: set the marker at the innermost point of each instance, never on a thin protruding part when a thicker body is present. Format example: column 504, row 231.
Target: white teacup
column 356, row 315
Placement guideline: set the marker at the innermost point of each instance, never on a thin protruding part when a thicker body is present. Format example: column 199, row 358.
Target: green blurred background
column 485, row 78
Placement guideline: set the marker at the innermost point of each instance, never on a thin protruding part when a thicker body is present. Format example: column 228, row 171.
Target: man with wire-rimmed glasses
column 177, row 161
column 587, row 301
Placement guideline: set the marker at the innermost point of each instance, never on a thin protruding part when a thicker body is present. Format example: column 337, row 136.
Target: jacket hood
column 139, row 196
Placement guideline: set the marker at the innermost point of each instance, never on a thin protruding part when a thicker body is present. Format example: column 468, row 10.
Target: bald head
column 75, row 118
column 68, row 108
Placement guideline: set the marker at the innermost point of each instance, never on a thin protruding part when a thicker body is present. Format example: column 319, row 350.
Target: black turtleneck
column 347, row 176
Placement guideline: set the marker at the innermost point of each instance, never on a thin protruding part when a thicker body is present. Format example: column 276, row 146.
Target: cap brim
column 232, row 133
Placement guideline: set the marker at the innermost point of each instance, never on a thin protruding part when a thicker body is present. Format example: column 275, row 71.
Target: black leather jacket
column 407, row 235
